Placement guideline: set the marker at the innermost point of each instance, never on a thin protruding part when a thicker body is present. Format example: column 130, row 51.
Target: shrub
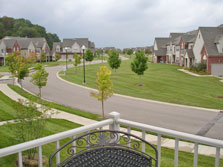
column 201, row 67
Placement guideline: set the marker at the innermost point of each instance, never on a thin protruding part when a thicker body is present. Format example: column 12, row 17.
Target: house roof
column 210, row 34
column 38, row 42
column 70, row 42
column 161, row 45
column 23, row 41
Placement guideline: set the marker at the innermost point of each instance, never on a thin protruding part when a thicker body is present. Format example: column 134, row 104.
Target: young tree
column 89, row 55
column 130, row 52
column 31, row 59
column 57, row 57
column 43, row 57
column 113, row 60
column 22, row 68
column 11, row 63
column 77, row 60
column 30, row 123
column 104, row 85
column 40, row 77
column 139, row 64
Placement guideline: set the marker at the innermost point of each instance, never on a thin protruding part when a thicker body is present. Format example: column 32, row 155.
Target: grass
column 4, row 69
column 7, row 108
column 8, row 137
column 1, row 76
column 161, row 82
column 54, row 105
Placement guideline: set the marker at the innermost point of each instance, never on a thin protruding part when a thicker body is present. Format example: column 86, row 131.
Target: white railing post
column 115, row 116
column 129, row 131
column 40, row 156
column 74, row 144
column 144, row 138
column 58, row 154
column 159, row 149
column 217, row 157
column 195, row 154
column 176, row 152
column 20, row 159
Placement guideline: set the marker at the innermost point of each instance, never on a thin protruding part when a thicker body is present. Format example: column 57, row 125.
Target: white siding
column 155, row 46
column 198, row 45
column 76, row 48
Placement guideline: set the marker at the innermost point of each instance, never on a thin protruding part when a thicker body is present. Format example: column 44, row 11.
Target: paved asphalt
column 185, row 119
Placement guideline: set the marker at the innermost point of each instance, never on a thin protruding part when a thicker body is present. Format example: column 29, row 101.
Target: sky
column 116, row 23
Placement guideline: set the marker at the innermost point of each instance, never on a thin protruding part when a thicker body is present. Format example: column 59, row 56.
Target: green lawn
column 8, row 137
column 4, row 69
column 54, row 105
column 7, row 108
column 161, row 82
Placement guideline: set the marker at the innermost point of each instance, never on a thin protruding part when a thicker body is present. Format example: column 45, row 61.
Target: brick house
column 208, row 48
column 73, row 45
column 159, row 50
column 24, row 45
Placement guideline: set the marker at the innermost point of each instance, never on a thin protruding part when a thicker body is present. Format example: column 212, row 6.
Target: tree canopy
column 24, row 28
column 114, row 61
column 139, row 64
column 89, row 55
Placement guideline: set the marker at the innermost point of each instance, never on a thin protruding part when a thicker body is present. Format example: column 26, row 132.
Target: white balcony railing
column 114, row 123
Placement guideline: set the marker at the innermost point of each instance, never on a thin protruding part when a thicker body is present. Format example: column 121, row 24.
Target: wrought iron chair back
column 107, row 148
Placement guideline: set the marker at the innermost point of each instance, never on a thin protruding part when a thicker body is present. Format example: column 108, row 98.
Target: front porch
column 198, row 143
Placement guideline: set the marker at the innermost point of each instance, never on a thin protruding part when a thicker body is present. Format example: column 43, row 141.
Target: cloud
column 125, row 23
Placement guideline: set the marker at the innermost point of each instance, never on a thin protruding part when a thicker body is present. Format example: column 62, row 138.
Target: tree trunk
column 40, row 93
column 20, row 82
column 102, row 105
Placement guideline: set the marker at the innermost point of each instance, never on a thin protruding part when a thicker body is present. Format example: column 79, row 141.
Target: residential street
column 185, row 119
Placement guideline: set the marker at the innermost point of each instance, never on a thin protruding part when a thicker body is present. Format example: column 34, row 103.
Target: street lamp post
column 83, row 48
column 66, row 48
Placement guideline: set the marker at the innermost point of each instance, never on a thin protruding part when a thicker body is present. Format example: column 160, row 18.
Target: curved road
column 185, row 119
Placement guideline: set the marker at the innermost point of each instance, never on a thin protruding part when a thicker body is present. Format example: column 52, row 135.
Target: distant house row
column 70, row 46
column 204, row 45
column 26, row 46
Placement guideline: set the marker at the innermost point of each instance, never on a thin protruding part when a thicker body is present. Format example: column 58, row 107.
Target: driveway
column 176, row 117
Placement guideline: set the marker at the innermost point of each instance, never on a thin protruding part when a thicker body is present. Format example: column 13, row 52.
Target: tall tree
column 113, row 60
column 89, row 55
column 40, row 77
column 24, row 28
column 104, row 86
column 139, row 64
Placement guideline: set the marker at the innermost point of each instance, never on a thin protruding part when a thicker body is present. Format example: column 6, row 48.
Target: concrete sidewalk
column 168, row 143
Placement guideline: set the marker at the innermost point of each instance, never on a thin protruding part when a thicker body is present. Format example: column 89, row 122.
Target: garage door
column 217, row 69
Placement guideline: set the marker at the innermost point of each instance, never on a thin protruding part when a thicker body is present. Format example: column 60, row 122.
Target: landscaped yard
column 161, row 82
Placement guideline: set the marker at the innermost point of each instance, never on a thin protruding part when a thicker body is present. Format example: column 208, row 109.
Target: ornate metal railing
column 104, row 148
column 114, row 123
